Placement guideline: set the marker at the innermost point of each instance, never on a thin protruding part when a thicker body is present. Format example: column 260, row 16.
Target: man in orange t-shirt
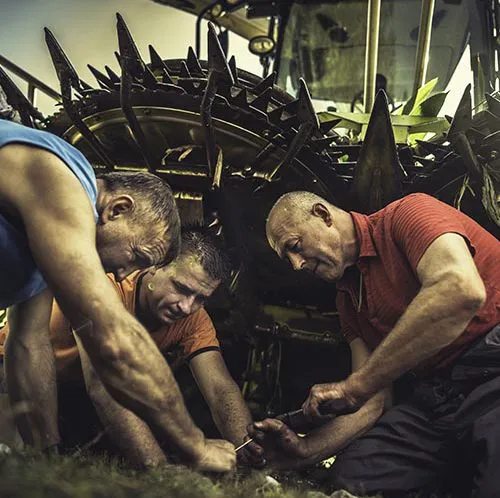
column 169, row 302
column 418, row 294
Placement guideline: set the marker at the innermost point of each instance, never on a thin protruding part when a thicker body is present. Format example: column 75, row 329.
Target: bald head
column 290, row 209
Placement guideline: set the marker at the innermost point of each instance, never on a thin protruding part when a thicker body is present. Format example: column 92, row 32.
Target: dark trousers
column 445, row 436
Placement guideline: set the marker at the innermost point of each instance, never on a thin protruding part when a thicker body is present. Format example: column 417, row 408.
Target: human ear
column 321, row 211
column 116, row 207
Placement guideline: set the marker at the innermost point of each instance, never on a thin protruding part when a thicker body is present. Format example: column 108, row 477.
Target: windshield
column 324, row 42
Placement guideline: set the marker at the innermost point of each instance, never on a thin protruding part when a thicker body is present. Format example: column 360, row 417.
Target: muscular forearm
column 130, row 434
column 330, row 438
column 135, row 373
column 434, row 319
column 231, row 414
column 30, row 370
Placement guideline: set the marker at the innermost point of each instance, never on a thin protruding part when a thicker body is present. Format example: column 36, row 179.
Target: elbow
column 469, row 294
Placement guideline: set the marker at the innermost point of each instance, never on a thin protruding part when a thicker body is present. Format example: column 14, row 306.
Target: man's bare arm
column 58, row 218
column 227, row 406
column 296, row 452
column 222, row 394
column 30, row 371
column 130, row 434
column 452, row 292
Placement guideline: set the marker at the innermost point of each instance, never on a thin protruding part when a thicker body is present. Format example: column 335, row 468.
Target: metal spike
column 64, row 69
column 218, row 72
column 493, row 104
column 262, row 101
column 85, row 86
column 217, row 58
column 16, row 98
column 275, row 116
column 158, row 64
column 234, row 69
column 326, row 126
column 184, row 71
column 131, row 57
column 377, row 176
column 462, row 120
column 102, row 79
column 193, row 64
column 432, row 148
column 307, row 127
column 461, row 124
column 305, row 109
column 241, row 99
column 69, row 79
column 135, row 127
column 320, row 144
column 267, row 82
column 118, row 58
column 112, row 75
column 262, row 155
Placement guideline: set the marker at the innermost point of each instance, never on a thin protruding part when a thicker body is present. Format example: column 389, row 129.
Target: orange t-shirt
column 193, row 334
column 392, row 241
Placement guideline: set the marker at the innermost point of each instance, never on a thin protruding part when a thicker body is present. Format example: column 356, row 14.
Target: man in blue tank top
column 58, row 226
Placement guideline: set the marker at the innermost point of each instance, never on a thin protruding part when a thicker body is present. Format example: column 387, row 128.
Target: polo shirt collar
column 362, row 226
column 366, row 249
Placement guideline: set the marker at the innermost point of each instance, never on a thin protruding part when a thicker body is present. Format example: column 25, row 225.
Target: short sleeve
column 197, row 335
column 418, row 220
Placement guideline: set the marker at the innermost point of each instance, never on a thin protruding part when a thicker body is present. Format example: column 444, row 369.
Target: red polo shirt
column 392, row 241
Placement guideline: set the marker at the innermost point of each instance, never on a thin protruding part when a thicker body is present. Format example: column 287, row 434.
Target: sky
column 86, row 29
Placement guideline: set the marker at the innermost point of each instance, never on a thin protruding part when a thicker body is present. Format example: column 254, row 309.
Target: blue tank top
column 19, row 277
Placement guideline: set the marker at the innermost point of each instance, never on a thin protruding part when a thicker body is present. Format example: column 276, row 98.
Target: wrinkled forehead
column 279, row 229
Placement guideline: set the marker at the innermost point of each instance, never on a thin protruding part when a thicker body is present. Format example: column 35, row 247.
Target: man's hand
column 326, row 400
column 252, row 454
column 218, row 456
column 281, row 444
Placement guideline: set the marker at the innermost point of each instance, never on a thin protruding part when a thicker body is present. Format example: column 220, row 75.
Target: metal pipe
column 29, row 78
column 199, row 18
column 371, row 55
column 32, row 93
column 423, row 44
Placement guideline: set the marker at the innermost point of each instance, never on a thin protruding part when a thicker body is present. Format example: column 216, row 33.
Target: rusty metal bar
column 423, row 44
column 371, row 54
column 29, row 78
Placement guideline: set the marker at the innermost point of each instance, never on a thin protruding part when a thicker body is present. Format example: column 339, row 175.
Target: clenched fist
column 217, row 455
column 327, row 400
column 282, row 447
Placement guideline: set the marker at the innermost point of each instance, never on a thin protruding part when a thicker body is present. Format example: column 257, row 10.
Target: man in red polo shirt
column 418, row 292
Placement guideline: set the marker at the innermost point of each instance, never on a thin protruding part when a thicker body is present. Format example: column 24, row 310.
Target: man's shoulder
column 417, row 200
column 196, row 322
column 14, row 134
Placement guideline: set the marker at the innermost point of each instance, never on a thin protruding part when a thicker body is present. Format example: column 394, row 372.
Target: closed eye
column 183, row 288
column 296, row 247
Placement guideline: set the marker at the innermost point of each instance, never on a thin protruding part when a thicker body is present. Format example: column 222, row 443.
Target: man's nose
column 297, row 261
column 186, row 304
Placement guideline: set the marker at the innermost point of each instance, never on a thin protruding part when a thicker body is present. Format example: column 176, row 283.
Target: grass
column 30, row 475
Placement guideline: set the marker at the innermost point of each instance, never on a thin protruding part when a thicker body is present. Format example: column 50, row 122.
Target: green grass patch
column 31, row 475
